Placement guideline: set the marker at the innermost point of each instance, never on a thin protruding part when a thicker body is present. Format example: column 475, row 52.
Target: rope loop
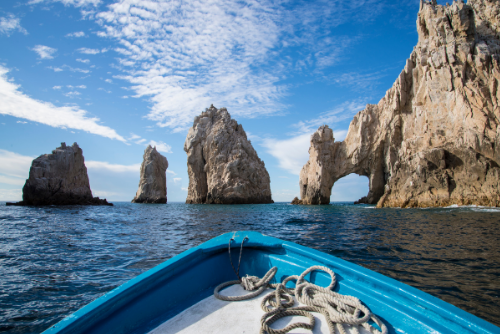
column 339, row 310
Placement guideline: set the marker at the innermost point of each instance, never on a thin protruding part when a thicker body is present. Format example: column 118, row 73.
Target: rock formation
column 153, row 182
column 59, row 178
column 433, row 140
column 223, row 167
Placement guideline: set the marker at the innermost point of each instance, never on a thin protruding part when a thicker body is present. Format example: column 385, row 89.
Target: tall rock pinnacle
column 59, row 178
column 153, row 182
column 434, row 139
column 223, row 167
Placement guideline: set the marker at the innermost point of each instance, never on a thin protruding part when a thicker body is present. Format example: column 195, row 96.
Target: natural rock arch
column 434, row 139
column 329, row 161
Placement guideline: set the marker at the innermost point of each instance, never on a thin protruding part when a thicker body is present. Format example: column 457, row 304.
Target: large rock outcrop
column 153, row 182
column 433, row 140
column 59, row 178
column 223, row 167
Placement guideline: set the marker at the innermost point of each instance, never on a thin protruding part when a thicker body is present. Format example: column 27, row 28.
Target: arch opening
column 350, row 188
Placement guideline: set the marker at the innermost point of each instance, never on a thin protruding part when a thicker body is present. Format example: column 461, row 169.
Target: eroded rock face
column 433, row 140
column 59, row 178
column 153, row 182
column 223, row 167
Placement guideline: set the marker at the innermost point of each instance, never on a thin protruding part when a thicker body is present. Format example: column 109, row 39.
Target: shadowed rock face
column 223, row 167
column 59, row 178
column 433, row 140
column 153, row 182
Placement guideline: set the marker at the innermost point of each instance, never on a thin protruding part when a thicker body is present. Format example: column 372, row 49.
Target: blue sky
column 115, row 76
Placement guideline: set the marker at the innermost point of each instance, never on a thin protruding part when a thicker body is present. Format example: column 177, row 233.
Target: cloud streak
column 115, row 168
column 9, row 24
column 16, row 104
column 44, row 52
column 182, row 61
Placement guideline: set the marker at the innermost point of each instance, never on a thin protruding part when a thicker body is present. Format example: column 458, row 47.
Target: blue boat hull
column 159, row 294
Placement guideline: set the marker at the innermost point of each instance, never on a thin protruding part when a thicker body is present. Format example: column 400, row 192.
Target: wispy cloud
column 76, row 3
column 9, row 24
column 76, row 34
column 14, row 166
column 72, row 94
column 161, row 146
column 69, row 68
column 44, row 52
column 16, row 104
column 100, row 165
column 338, row 114
column 56, row 87
column 291, row 153
column 85, row 61
column 184, row 62
column 91, row 51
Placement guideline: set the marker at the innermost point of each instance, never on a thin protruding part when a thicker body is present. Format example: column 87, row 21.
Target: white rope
column 339, row 310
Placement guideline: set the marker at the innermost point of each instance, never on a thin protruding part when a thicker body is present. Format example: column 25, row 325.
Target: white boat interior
column 212, row 315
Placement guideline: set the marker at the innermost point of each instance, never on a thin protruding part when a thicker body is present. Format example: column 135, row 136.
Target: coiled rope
column 339, row 310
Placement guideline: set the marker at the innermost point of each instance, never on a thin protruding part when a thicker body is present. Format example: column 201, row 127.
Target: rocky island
column 433, row 140
column 59, row 178
column 153, row 182
column 223, row 166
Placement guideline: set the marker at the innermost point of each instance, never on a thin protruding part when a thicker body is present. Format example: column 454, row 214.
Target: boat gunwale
column 131, row 289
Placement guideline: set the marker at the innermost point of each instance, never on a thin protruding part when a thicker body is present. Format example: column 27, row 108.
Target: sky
column 117, row 75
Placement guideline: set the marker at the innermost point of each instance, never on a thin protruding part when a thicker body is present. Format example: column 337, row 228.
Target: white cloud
column 89, row 51
column 133, row 136
column 341, row 113
column 73, row 94
column 184, row 62
column 15, row 165
column 81, row 86
column 44, row 52
column 291, row 153
column 16, row 104
column 99, row 165
column 160, row 146
column 56, row 69
column 56, row 87
column 177, row 179
column 12, row 180
column 21, row 122
column 10, row 23
column 10, row 194
column 76, row 34
column 141, row 141
column 108, row 80
column 76, row 3
column 171, row 172
column 85, row 61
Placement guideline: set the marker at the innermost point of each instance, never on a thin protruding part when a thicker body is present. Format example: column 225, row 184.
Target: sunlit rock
column 223, row 166
column 433, row 140
column 59, row 178
column 153, row 182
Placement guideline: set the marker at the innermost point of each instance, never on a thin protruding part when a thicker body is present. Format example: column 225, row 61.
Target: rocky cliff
column 59, row 178
column 433, row 140
column 223, row 167
column 153, row 182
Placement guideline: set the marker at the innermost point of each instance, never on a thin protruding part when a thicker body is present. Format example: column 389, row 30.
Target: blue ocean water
column 54, row 260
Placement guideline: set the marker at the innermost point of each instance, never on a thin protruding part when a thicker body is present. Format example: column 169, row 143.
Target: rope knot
column 249, row 283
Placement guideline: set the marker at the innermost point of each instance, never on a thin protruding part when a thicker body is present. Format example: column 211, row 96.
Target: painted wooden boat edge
column 257, row 239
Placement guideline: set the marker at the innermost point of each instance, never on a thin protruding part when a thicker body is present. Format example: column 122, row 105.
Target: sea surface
column 54, row 260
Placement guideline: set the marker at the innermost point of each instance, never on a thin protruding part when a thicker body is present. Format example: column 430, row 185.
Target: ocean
column 54, row 260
